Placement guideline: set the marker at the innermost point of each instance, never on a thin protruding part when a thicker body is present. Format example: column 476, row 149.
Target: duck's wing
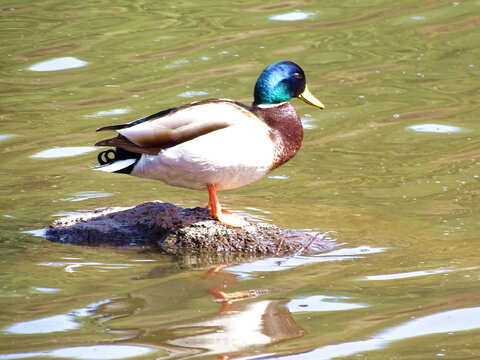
column 170, row 127
column 136, row 122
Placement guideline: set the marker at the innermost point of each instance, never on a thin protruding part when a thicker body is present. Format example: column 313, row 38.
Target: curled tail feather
column 117, row 161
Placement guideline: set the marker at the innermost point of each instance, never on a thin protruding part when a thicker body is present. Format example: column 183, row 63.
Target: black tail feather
column 110, row 156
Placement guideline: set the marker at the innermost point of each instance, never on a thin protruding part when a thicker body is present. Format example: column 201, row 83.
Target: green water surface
column 389, row 171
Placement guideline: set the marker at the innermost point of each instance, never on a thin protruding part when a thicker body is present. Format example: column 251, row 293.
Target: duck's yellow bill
column 307, row 97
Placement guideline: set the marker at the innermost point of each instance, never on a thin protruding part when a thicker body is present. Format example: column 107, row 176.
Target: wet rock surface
column 176, row 230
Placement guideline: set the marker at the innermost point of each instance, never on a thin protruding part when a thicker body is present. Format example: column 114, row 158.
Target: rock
column 178, row 231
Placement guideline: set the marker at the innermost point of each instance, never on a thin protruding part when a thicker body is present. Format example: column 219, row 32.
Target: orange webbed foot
column 222, row 215
column 232, row 220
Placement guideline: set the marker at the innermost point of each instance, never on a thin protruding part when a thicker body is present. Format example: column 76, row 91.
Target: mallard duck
column 215, row 144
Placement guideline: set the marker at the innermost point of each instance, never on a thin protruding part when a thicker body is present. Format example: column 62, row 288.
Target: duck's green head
column 280, row 82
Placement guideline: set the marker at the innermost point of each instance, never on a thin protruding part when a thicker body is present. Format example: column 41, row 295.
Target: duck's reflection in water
column 241, row 326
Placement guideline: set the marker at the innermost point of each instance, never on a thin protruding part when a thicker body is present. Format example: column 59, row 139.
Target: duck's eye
column 297, row 75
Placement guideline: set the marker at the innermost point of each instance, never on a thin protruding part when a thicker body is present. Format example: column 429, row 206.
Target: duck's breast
column 227, row 158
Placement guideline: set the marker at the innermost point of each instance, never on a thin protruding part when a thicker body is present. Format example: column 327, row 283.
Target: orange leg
column 222, row 215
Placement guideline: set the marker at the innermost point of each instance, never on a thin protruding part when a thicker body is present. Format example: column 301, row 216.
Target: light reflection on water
column 46, row 325
column 6, row 136
column 246, row 270
column 60, row 152
column 56, row 323
column 85, row 195
column 436, row 128
column 292, row 16
column 109, row 112
column 73, row 266
column 58, row 64
column 407, row 275
column 190, row 94
column 445, row 322
column 96, row 352
column 322, row 303
column 45, row 289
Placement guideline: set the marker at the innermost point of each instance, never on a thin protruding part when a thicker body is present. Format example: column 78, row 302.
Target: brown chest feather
column 286, row 130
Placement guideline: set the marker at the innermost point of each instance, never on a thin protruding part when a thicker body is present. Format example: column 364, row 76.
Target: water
column 390, row 170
